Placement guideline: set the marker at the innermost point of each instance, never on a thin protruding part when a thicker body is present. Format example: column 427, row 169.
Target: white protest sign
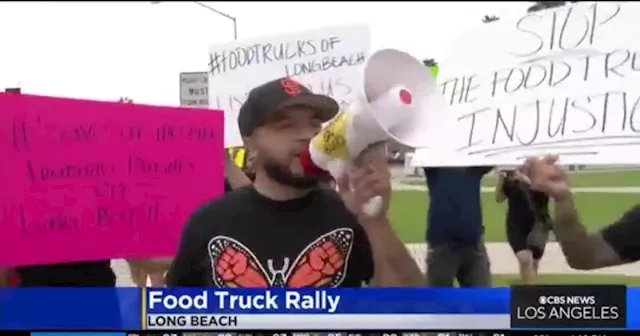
column 328, row 61
column 563, row 81
column 194, row 89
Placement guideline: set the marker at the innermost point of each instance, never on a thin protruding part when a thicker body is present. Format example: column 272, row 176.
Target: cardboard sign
column 84, row 180
column 562, row 81
column 328, row 61
column 194, row 89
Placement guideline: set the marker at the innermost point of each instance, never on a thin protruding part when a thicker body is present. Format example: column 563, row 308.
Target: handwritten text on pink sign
column 84, row 180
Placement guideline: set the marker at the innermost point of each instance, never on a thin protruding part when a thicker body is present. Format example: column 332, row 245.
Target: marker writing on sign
column 528, row 77
column 563, row 29
column 221, row 62
column 103, row 217
column 39, row 172
column 51, row 135
column 324, row 64
column 574, row 122
column 103, row 179
column 336, row 87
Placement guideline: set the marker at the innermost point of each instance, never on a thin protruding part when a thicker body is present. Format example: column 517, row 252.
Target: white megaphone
column 398, row 91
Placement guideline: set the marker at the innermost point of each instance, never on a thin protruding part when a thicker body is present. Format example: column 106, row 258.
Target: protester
column 528, row 221
column 83, row 274
column 285, row 230
column 612, row 245
column 455, row 230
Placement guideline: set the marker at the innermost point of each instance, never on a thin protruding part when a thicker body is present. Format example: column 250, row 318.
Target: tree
column 125, row 100
column 490, row 18
column 543, row 5
column 429, row 62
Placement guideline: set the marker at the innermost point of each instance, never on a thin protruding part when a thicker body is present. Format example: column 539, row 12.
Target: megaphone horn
column 398, row 91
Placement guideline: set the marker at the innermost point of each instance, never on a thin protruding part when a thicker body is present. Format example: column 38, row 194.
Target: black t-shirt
column 624, row 235
column 227, row 185
column 526, row 206
column 246, row 240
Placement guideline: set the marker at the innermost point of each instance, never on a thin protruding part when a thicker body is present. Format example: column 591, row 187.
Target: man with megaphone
column 286, row 230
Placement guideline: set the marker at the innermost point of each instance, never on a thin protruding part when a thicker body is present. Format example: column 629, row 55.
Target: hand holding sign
column 547, row 176
column 154, row 269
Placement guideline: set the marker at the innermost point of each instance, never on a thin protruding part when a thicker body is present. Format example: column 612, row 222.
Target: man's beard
column 283, row 175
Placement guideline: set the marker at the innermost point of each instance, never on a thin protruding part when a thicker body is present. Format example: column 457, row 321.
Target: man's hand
column 154, row 268
column 371, row 178
column 547, row 176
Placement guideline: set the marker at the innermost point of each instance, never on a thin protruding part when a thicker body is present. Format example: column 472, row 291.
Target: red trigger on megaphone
column 311, row 169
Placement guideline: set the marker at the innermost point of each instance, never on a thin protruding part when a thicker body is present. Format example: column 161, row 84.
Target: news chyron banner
column 346, row 309
column 463, row 310
column 569, row 307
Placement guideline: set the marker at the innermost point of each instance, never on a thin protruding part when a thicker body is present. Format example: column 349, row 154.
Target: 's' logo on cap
column 291, row 87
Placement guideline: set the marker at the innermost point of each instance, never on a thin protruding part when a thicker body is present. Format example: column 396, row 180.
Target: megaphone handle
column 373, row 206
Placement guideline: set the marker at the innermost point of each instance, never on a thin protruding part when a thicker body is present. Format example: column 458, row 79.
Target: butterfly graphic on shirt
column 322, row 264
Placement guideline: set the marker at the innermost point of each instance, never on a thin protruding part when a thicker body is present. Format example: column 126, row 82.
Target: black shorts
column 521, row 237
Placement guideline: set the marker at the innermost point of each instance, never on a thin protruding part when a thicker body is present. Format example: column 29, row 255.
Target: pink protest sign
column 84, row 180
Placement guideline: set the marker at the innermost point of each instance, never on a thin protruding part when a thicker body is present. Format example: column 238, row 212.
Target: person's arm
column 187, row 267
column 236, row 177
column 4, row 277
column 393, row 266
column 499, row 192
column 616, row 244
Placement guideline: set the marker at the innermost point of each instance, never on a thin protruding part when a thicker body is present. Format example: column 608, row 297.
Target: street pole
column 203, row 5
column 232, row 18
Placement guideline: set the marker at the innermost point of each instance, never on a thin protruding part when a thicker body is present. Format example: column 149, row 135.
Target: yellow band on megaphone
column 332, row 139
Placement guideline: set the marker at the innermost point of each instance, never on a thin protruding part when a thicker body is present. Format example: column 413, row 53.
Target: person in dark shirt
column 454, row 235
column 82, row 274
column 612, row 245
column 285, row 230
column 528, row 221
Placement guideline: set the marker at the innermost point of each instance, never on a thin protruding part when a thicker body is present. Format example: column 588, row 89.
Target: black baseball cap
column 267, row 99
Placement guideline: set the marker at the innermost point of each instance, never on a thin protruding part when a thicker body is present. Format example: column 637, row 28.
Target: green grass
column 408, row 212
column 578, row 180
column 591, row 179
column 569, row 279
